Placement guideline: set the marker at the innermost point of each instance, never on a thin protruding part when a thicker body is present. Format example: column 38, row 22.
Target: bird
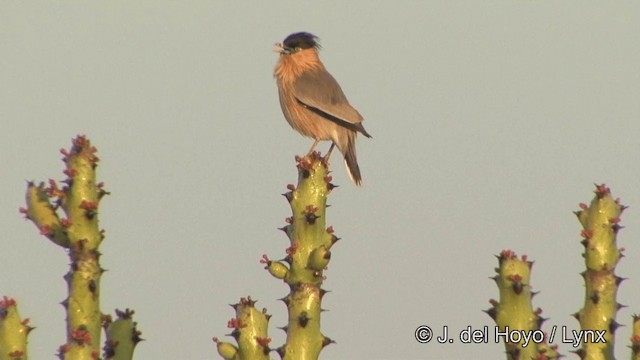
column 313, row 102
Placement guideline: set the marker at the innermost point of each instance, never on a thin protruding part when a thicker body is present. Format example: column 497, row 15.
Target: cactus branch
column 13, row 331
column 514, row 313
column 68, row 216
column 600, row 222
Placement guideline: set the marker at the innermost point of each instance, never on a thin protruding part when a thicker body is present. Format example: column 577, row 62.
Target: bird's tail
column 350, row 160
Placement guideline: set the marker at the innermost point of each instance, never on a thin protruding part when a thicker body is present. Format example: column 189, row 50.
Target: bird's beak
column 280, row 49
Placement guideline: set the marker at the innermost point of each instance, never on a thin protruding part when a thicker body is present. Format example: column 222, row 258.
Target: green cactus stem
column 122, row 336
column 307, row 257
column 78, row 232
column 13, row 331
column 600, row 221
column 514, row 314
column 250, row 330
column 302, row 270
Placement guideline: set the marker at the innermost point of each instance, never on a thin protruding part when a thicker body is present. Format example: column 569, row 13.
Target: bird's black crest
column 302, row 40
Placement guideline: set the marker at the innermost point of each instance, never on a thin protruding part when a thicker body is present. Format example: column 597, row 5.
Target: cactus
column 302, row 269
column 600, row 221
column 78, row 232
column 250, row 332
column 514, row 314
column 13, row 331
column 68, row 217
column 122, row 335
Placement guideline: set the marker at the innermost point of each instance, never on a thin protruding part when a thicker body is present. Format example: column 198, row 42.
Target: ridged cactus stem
column 516, row 320
column 307, row 257
column 600, row 221
column 79, row 233
column 250, row 330
column 13, row 331
column 122, row 336
column 302, row 269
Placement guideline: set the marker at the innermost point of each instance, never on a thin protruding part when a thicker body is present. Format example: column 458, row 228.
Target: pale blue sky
column 490, row 120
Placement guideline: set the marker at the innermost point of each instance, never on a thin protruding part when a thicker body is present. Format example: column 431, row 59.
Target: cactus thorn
column 326, row 341
column 285, row 300
column 601, row 190
column 311, row 218
column 616, row 228
column 323, row 292
column 334, row 239
column 541, row 320
column 517, row 287
column 492, row 312
column 303, row 319
column 93, row 287
column 288, row 196
column 614, row 326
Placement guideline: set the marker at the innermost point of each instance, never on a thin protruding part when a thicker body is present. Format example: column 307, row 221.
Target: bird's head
column 297, row 42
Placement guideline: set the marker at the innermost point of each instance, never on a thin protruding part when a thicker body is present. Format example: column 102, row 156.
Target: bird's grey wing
column 320, row 91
